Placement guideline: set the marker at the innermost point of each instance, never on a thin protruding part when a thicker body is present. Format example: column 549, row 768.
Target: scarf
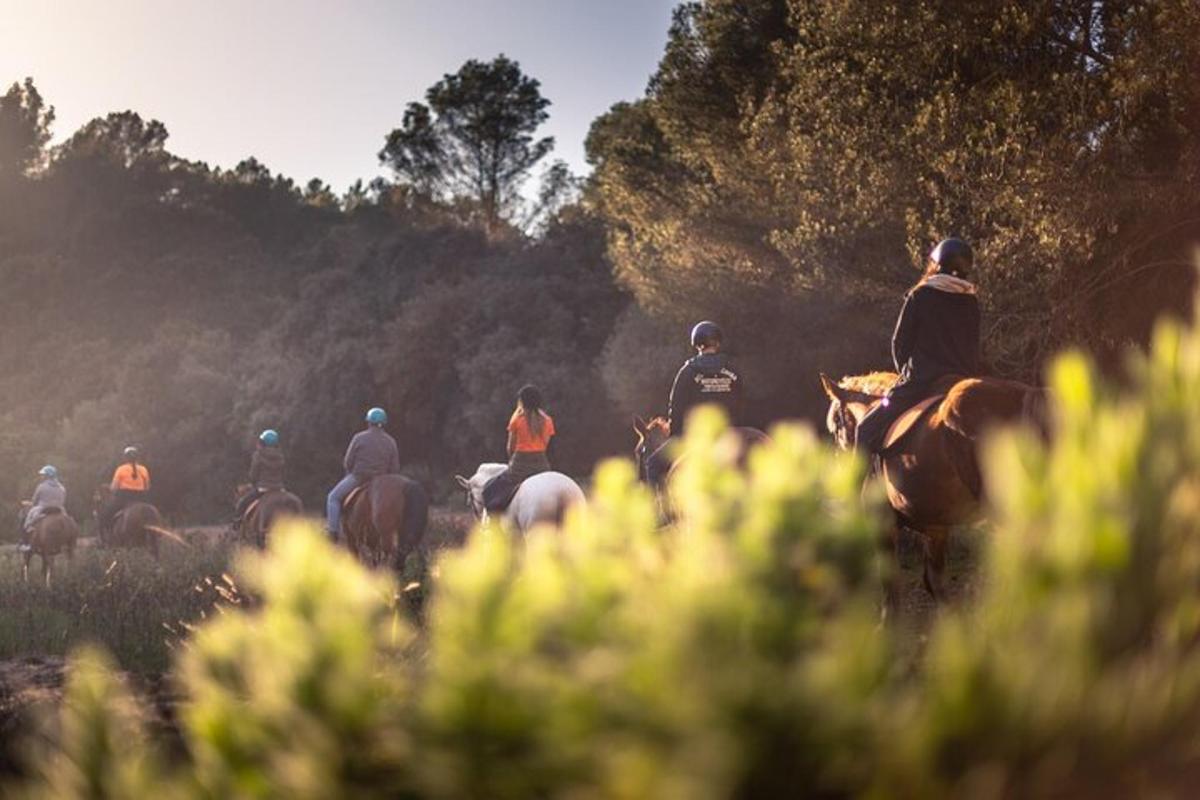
column 950, row 284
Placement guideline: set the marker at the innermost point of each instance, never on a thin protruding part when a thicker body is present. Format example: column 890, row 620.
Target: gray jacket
column 50, row 494
column 372, row 452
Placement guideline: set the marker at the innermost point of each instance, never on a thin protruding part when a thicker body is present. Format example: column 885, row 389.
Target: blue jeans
column 333, row 504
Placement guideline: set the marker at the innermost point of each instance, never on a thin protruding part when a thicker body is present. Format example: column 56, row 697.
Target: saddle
column 355, row 493
column 909, row 419
column 498, row 493
column 250, row 509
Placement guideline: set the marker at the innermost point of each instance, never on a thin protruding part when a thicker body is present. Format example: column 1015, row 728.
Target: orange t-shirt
column 126, row 478
column 526, row 440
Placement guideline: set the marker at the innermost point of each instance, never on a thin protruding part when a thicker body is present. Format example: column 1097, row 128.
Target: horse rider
column 266, row 470
column 130, row 484
column 530, row 430
column 936, row 336
column 50, row 496
column 372, row 452
column 706, row 378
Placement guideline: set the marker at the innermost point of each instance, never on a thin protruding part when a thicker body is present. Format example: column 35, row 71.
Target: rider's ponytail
column 530, row 398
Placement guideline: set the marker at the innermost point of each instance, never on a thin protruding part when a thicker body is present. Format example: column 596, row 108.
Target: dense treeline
column 155, row 300
column 790, row 164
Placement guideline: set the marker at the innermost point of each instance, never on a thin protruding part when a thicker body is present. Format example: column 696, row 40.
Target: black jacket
column 707, row 378
column 266, row 468
column 937, row 335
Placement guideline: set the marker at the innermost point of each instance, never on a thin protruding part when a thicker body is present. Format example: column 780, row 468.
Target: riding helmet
column 269, row 437
column 131, row 452
column 48, row 472
column 377, row 416
column 706, row 333
column 953, row 257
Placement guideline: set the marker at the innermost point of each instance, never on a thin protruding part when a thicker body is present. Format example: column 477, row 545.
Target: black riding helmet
column 953, row 257
column 706, row 333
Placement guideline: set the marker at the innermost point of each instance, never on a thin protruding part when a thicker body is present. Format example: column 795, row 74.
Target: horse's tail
column 568, row 498
column 167, row 534
column 416, row 513
column 1035, row 411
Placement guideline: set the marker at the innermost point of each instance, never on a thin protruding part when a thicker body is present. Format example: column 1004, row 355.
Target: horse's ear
column 463, row 482
column 831, row 388
column 640, row 425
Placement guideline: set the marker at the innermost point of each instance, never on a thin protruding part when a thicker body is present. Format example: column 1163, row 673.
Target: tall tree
column 475, row 138
column 25, row 122
column 122, row 138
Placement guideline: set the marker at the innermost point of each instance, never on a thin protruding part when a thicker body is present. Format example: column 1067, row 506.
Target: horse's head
column 473, row 486
column 651, row 436
column 849, row 401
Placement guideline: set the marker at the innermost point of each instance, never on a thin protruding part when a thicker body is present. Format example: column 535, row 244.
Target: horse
column 652, row 435
column 385, row 520
column 260, row 516
column 542, row 499
column 53, row 533
column 931, row 474
column 137, row 525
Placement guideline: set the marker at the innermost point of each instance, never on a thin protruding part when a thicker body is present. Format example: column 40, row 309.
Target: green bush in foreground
column 734, row 654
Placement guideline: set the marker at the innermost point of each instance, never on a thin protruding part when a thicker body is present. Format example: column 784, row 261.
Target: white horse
column 542, row 499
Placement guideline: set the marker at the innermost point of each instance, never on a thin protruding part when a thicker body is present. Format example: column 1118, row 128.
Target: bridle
column 642, row 460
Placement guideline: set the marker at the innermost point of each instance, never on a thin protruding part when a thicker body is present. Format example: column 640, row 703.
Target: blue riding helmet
column 269, row 437
column 953, row 257
column 377, row 416
column 48, row 472
column 705, row 333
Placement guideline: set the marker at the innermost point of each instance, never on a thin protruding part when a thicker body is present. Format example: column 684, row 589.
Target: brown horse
column 261, row 515
column 385, row 521
column 652, row 435
column 136, row 525
column 932, row 474
column 53, row 533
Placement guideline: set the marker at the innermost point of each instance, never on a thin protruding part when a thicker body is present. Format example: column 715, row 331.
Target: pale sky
column 311, row 88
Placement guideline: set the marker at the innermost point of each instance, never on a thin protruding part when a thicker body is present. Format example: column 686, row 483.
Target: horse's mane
column 876, row 384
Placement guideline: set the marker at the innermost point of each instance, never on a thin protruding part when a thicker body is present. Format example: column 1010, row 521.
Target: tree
column 795, row 160
column 122, row 138
column 25, row 122
column 474, row 138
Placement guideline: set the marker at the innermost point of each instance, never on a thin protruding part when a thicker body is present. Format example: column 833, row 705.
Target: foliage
column 794, row 159
column 475, row 138
column 25, row 122
column 153, row 300
column 734, row 653
column 134, row 607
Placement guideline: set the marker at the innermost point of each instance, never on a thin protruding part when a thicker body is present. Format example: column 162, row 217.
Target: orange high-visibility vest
column 130, row 480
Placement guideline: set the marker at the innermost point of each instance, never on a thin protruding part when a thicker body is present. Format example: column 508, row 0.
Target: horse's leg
column 889, row 566
column 25, row 565
column 935, row 539
column 46, row 569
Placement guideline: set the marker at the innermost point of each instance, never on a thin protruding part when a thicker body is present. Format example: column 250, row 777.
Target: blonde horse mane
column 875, row 384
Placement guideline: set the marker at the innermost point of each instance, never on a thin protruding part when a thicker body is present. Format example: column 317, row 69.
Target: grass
column 135, row 608
column 138, row 609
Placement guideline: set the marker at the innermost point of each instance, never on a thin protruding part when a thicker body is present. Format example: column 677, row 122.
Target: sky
column 311, row 88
